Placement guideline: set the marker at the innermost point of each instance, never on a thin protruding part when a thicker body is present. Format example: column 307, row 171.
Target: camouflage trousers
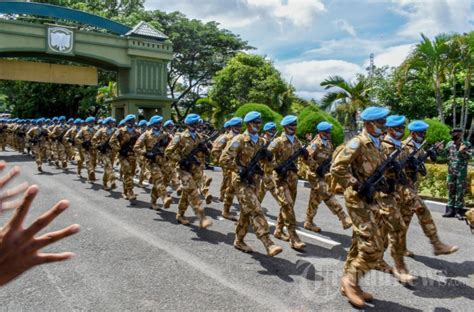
column 367, row 237
column 109, row 175
column 171, row 177
column 411, row 203
column 250, row 210
column 142, row 164
column 157, row 177
column 61, row 155
column 286, row 196
column 320, row 192
column 392, row 227
column 70, row 151
column 91, row 162
column 226, row 182
column 204, row 183
column 21, row 144
column 49, row 151
column 3, row 141
column 80, row 160
column 40, row 153
column 190, row 191
column 128, row 166
column 267, row 184
column 229, row 192
column 456, row 190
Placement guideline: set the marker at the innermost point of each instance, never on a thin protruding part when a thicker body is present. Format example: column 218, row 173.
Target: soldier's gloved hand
column 267, row 155
column 304, row 153
column 149, row 155
column 395, row 165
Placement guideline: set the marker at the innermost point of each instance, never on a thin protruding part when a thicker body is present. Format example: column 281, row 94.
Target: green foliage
column 249, row 78
column 437, row 131
column 267, row 113
column 311, row 116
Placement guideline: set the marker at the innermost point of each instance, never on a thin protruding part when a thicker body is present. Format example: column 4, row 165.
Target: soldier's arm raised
column 341, row 166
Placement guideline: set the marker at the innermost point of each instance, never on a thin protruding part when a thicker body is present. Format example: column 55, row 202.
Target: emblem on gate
column 60, row 39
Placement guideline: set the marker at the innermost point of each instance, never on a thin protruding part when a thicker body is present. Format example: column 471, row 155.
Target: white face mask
column 398, row 135
column 377, row 131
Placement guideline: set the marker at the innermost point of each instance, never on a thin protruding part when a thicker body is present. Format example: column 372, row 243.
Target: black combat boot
column 460, row 212
column 450, row 212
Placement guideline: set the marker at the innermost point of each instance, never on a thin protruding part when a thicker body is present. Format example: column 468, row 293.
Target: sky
column 309, row 40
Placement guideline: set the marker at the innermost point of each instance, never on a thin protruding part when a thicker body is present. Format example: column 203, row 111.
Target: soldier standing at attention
column 319, row 162
column 101, row 142
column 267, row 183
column 458, row 159
column 38, row 136
column 151, row 145
column 235, row 127
column 190, row 173
column 84, row 141
column 236, row 157
column 122, row 141
column 351, row 168
column 411, row 201
column 282, row 148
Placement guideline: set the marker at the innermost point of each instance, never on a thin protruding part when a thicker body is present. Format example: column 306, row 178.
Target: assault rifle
column 86, row 145
column 253, row 167
column 432, row 153
column 376, row 182
column 103, row 147
column 37, row 138
column 289, row 164
column 190, row 159
column 127, row 148
column 324, row 167
column 156, row 150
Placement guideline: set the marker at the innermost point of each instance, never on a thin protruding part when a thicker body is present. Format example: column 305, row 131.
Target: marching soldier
column 151, row 146
column 171, row 177
column 21, row 133
column 141, row 160
column 202, row 157
column 122, row 141
column 351, row 168
column 70, row 140
column 190, row 173
column 3, row 134
column 458, row 151
column 101, row 142
column 411, row 201
column 267, row 183
column 234, row 126
column 57, row 135
column 38, row 136
column 319, row 162
column 282, row 148
column 236, row 157
column 84, row 141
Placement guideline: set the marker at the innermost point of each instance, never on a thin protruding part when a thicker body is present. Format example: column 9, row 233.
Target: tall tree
column 346, row 98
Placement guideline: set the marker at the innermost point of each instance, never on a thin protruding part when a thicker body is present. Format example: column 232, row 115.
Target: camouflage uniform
column 267, row 182
column 84, row 142
column 181, row 145
column 38, row 137
column 411, row 203
column 69, row 140
column 282, row 148
column 144, row 145
column 457, row 174
column 57, row 135
column 319, row 151
column 21, row 133
column 102, row 138
column 235, row 157
column 122, row 141
column 354, row 164
column 171, row 177
column 3, row 135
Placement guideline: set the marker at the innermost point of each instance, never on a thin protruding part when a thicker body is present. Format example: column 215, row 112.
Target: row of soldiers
column 376, row 172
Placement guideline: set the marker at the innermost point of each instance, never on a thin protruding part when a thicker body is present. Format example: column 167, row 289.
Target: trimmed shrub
column 267, row 113
column 437, row 131
column 308, row 119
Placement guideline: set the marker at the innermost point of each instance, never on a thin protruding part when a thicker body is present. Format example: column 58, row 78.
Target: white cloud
column 392, row 56
column 346, row 26
column 434, row 17
column 307, row 76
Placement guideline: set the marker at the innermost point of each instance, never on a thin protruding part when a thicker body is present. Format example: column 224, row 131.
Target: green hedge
column 310, row 116
column 267, row 113
column 437, row 131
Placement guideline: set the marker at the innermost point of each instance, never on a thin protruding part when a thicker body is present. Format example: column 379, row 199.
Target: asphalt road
column 134, row 258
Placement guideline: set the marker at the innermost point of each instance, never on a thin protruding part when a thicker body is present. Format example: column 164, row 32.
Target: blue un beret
column 374, row 113
column 155, row 120
column 269, row 126
column 395, row 120
column 288, row 120
column 77, row 121
column 107, row 120
column 236, row 121
column 168, row 123
column 62, row 118
column 226, row 124
column 142, row 123
column 90, row 119
column 70, row 120
column 418, row 125
column 130, row 117
column 251, row 116
column 122, row 122
column 55, row 118
column 324, row 126
column 192, row 119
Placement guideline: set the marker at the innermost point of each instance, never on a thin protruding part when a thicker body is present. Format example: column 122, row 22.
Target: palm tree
column 346, row 99
column 431, row 56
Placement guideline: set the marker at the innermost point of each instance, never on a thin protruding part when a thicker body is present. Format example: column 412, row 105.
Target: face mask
column 324, row 140
column 90, row 127
column 130, row 129
column 377, row 131
column 419, row 139
column 235, row 130
column 156, row 131
column 192, row 130
column 398, row 135
column 254, row 137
